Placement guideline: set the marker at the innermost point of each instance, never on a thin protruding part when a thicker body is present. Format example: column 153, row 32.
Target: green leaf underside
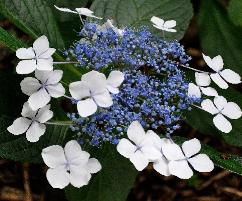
column 34, row 17
column 112, row 183
column 9, row 40
column 138, row 13
column 219, row 36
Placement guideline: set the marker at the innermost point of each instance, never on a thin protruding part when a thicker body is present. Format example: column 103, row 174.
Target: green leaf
column 34, row 17
column 138, row 13
column 219, row 36
column 112, row 183
column 230, row 162
column 9, row 40
column 235, row 12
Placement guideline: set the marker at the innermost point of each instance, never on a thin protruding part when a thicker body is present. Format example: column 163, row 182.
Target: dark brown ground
column 27, row 182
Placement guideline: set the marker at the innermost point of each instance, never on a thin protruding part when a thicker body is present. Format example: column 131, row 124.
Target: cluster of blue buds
column 154, row 91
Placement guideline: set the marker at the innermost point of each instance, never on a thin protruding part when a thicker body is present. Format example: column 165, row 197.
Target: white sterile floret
column 139, row 150
column 79, row 11
column 41, row 90
column 179, row 159
column 109, row 24
column 221, row 109
column 93, row 91
column 202, row 86
column 31, row 122
column 69, row 165
column 221, row 77
column 37, row 57
column 163, row 25
column 161, row 164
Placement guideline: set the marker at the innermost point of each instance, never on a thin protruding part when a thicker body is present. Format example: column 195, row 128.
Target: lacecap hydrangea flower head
column 132, row 93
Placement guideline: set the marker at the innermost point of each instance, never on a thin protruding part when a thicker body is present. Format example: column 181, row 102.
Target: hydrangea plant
column 132, row 93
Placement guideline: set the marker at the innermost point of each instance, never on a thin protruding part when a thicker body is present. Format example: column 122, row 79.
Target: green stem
column 59, row 123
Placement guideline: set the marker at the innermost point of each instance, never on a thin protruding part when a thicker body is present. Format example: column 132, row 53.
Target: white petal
column 136, row 132
column 27, row 111
column 35, row 131
column 209, row 91
column 209, row 107
column 161, row 166
column 231, row 76
column 126, row 148
column 26, row 66
column 219, row 81
column 151, row 153
column 41, row 45
column 45, row 64
column 39, row 99
column 220, row 102
column 29, row 85
column 169, row 30
column 170, row 24
column 19, row 126
column 53, row 156
column 194, row 90
column 42, row 75
column 47, row 54
column 222, row 123
column 79, row 177
column 202, row 79
column 54, row 77
column 44, row 114
column 232, row 110
column 157, row 21
column 172, row 152
column 139, row 160
column 79, row 90
column 93, row 165
column 113, row 90
column 216, row 63
column 201, row 163
column 191, row 147
column 86, row 107
column 74, row 154
column 25, row 53
column 103, row 99
column 84, row 11
column 58, row 177
column 180, row 169
column 115, row 78
column 152, row 139
column 65, row 10
column 96, row 81
column 56, row 90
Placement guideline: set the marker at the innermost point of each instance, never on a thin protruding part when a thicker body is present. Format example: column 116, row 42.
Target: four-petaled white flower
column 221, row 108
column 69, row 165
column 221, row 77
column 203, row 81
column 43, row 88
column 140, row 151
column 79, row 11
column 179, row 159
column 109, row 24
column 37, row 57
column 31, row 122
column 93, row 90
column 163, row 25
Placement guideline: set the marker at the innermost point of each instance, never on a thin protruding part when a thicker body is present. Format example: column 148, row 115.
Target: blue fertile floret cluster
column 154, row 91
